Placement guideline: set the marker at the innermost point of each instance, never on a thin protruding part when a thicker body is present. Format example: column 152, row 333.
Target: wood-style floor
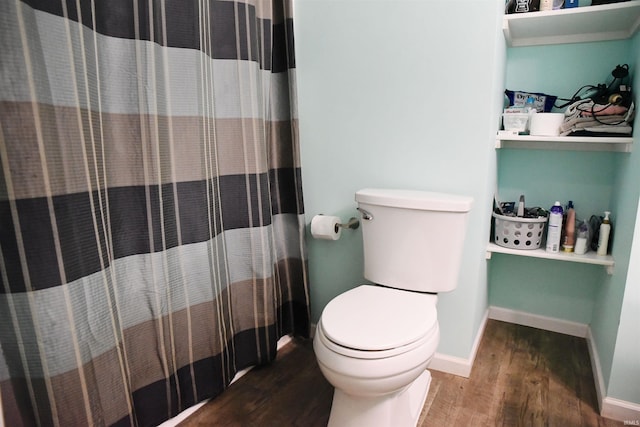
column 521, row 377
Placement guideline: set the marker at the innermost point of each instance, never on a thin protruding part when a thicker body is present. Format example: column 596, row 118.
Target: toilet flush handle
column 365, row 215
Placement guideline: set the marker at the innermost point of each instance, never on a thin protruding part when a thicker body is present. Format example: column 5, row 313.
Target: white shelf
column 616, row 21
column 574, row 143
column 588, row 258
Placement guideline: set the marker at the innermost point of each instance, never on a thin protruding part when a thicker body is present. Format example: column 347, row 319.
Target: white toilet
column 374, row 342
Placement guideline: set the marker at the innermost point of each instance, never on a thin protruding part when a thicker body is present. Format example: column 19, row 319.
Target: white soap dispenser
column 603, row 238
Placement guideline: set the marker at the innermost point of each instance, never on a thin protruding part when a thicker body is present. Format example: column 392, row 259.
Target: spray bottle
column 603, row 238
column 555, row 228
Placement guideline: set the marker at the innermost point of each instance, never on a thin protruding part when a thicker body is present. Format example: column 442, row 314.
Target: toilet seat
column 373, row 322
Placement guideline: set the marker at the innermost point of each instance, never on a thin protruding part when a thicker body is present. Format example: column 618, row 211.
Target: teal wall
column 615, row 320
column 548, row 288
column 624, row 381
column 398, row 94
column 406, row 94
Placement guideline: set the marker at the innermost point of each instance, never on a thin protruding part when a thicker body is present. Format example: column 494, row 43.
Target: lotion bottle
column 554, row 230
column 603, row 238
column 569, row 229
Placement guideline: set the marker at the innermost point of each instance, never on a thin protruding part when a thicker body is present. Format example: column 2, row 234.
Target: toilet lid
column 375, row 318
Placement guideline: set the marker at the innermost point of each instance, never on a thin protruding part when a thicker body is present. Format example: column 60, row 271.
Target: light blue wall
column 548, row 288
column 624, row 381
column 562, row 69
column 406, row 94
column 615, row 320
column 399, row 94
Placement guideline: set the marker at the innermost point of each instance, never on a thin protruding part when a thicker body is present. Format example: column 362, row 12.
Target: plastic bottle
column 583, row 237
column 569, row 229
column 530, row 109
column 530, row 104
column 546, row 5
column 603, row 239
column 555, row 228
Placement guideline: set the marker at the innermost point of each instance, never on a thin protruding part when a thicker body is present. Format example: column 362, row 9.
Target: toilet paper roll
column 326, row 227
column 546, row 124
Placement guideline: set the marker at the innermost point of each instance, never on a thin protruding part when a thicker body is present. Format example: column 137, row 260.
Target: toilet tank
column 413, row 239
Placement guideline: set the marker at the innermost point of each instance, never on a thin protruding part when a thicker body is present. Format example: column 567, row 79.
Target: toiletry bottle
column 583, row 237
column 546, row 5
column 603, row 239
column 521, row 207
column 569, row 229
column 555, row 228
column 530, row 109
column 530, row 104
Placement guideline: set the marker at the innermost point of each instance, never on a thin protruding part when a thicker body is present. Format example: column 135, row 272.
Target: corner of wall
column 457, row 365
column 608, row 325
column 615, row 409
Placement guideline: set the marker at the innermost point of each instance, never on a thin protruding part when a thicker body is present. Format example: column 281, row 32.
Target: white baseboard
column 451, row 365
column 616, row 409
column 541, row 322
column 621, row 410
column 458, row 365
column 598, row 378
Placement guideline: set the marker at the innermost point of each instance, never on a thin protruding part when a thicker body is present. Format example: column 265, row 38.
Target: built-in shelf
column 588, row 258
column 617, row 21
column 575, row 143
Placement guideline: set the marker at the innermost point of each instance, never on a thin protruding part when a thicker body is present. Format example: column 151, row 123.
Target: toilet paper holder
column 352, row 224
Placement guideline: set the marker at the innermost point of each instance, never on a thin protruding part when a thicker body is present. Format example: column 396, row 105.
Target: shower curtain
column 151, row 234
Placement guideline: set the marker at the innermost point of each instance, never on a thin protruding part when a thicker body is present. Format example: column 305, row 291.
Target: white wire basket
column 518, row 233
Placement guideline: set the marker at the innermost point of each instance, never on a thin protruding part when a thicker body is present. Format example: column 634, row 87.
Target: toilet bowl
column 372, row 343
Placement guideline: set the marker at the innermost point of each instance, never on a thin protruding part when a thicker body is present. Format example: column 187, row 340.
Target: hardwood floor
column 521, row 377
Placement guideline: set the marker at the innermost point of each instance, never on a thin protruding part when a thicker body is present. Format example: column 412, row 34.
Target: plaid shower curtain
column 151, row 219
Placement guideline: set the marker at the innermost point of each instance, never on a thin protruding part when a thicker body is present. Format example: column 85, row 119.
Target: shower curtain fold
column 151, row 212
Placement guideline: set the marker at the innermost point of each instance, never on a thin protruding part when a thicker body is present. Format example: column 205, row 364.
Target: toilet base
column 401, row 409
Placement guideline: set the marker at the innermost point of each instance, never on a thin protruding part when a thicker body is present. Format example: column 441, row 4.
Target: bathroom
column 420, row 105
column 407, row 94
